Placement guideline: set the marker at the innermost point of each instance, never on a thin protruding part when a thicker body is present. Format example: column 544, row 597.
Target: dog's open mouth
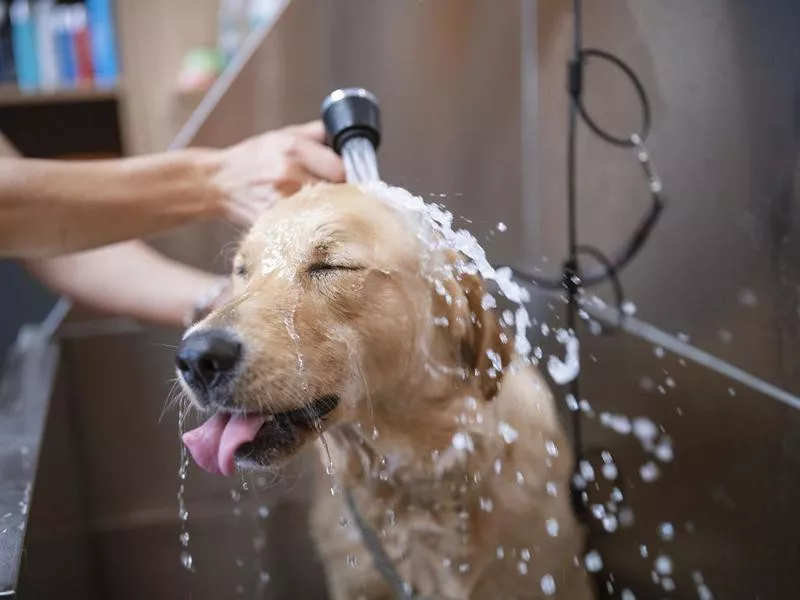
column 228, row 439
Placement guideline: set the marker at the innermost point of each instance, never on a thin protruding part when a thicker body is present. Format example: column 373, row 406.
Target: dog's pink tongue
column 213, row 444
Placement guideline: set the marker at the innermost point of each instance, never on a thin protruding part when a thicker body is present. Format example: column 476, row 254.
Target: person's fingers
column 321, row 161
column 293, row 180
column 314, row 130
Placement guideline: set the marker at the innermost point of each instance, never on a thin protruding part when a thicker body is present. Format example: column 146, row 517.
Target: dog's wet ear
column 472, row 320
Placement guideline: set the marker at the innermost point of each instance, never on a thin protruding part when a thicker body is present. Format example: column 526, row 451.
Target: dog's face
column 332, row 319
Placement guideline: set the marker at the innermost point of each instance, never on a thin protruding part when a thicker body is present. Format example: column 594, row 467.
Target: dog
column 348, row 329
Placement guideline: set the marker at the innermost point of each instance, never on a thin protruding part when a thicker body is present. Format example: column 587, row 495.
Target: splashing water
column 564, row 371
column 183, row 514
column 438, row 234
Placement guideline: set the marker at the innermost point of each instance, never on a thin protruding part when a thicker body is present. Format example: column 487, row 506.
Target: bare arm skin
column 49, row 208
column 127, row 279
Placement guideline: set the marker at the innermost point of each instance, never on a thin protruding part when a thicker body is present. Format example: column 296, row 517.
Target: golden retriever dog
column 349, row 330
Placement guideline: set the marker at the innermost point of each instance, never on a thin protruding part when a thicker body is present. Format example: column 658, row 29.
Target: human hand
column 253, row 174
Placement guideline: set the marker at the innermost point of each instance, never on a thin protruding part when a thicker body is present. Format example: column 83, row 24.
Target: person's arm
column 128, row 279
column 50, row 207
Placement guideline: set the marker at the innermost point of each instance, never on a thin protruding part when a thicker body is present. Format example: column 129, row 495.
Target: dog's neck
column 430, row 447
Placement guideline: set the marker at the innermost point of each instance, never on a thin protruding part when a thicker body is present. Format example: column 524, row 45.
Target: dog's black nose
column 205, row 358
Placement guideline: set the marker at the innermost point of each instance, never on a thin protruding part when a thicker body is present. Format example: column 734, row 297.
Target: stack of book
column 47, row 45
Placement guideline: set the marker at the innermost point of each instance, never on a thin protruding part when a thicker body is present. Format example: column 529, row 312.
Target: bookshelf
column 10, row 95
column 142, row 111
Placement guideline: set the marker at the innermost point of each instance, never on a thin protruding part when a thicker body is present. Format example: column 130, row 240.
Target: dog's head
column 341, row 312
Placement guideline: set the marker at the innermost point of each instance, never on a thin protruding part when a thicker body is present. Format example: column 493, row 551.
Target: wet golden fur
column 334, row 295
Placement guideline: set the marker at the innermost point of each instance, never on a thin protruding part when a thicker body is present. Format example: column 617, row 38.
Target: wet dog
column 347, row 324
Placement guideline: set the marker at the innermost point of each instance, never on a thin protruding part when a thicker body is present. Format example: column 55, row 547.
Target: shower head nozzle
column 349, row 113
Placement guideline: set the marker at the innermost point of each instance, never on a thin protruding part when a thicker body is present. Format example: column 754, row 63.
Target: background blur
column 474, row 104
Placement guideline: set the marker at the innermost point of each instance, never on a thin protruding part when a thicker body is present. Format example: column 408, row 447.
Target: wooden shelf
column 10, row 95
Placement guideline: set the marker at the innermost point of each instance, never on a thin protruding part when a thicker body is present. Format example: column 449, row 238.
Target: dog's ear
column 485, row 349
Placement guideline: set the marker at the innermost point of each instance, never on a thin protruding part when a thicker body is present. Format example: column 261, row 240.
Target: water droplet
column 239, row 563
column 643, row 551
column 330, row 469
column 351, row 560
column 610, row 472
column 240, row 589
column 335, row 489
column 500, row 553
column 704, row 593
column 391, row 517
column 186, row 560
column 375, row 434
column 670, row 382
column 522, row 567
column 501, row 227
column 627, row 595
column 571, row 402
column 507, row 432
column 731, row 392
column 235, row 495
column 184, row 538
column 551, row 525
column 649, row 472
column 666, row 532
column 548, row 585
column 663, row 565
column 264, row 577
column 610, row 523
column 463, row 568
column 586, row 470
column 183, row 514
column 659, row 352
column 263, row 512
column 619, row 423
column 552, row 489
column 551, row 448
column 725, row 335
column 668, row 584
column 520, row 478
column 645, row 430
column 628, row 308
column 748, row 298
column 498, row 466
column 593, row 562
column 656, row 185
column 486, row 504
column 525, row 554
column 564, row 371
column 463, row 441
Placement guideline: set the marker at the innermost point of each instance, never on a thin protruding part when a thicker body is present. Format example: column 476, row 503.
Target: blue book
column 65, row 48
column 23, row 36
column 104, row 43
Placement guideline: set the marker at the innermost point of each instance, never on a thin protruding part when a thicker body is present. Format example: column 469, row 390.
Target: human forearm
column 55, row 207
column 128, row 279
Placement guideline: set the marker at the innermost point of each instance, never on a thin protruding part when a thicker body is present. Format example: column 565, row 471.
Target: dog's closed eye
column 322, row 268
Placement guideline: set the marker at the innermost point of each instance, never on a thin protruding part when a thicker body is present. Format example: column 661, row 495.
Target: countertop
column 25, row 389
